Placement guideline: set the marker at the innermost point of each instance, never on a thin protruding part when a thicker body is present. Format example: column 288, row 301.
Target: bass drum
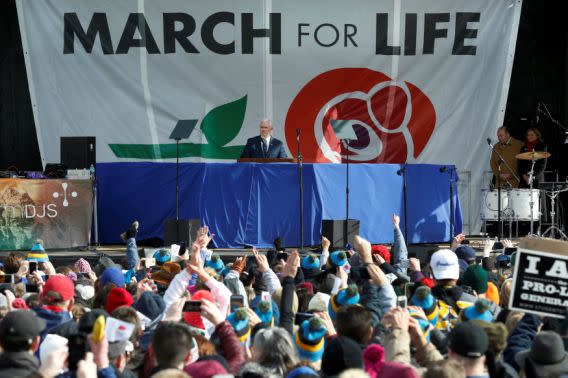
column 489, row 204
column 520, row 200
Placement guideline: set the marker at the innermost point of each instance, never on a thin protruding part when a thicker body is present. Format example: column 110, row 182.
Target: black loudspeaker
column 179, row 231
column 333, row 230
column 78, row 152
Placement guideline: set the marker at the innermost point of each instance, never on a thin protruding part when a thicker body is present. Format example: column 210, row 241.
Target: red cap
column 381, row 250
column 118, row 297
column 59, row 284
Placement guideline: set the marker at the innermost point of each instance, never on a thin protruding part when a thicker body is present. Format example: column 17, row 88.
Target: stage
column 252, row 203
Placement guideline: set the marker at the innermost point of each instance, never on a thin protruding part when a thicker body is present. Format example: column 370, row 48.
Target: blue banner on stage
column 252, row 204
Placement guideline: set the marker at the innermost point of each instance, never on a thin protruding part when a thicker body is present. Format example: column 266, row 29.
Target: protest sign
column 540, row 278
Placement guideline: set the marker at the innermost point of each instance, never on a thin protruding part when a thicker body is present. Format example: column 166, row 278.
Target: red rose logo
column 393, row 121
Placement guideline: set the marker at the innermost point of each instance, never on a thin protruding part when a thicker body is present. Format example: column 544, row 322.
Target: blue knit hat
column 37, row 253
column 424, row 299
column 264, row 312
column 162, row 256
column 215, row 263
column 479, row 311
column 240, row 322
column 337, row 259
column 466, row 253
column 309, row 339
column 310, row 261
column 347, row 296
column 112, row 274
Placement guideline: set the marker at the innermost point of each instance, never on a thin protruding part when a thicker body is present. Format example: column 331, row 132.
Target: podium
column 265, row 160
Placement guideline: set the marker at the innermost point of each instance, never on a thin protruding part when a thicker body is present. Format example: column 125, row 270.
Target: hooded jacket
column 52, row 319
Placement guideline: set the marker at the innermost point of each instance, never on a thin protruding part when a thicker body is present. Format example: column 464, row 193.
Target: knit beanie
column 497, row 334
column 475, row 277
column 264, row 312
column 309, row 339
column 466, row 253
column 492, row 293
column 424, row 299
column 83, row 265
column 347, row 296
column 118, row 297
column 382, row 251
column 479, row 310
column 319, row 302
column 215, row 263
column 337, row 259
column 240, row 322
column 341, row 353
column 162, row 256
column 37, row 252
column 307, row 286
column 150, row 305
column 374, row 359
column 112, row 274
column 310, row 261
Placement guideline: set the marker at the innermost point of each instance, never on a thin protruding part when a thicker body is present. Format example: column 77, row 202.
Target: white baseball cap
column 444, row 265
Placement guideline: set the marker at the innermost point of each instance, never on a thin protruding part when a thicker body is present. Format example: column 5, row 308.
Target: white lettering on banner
column 558, row 269
column 533, row 260
column 543, row 299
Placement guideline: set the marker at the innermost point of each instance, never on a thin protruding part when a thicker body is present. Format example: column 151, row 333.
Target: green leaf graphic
column 222, row 124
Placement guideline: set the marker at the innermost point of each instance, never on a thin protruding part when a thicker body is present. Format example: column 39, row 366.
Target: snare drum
column 489, row 204
column 520, row 204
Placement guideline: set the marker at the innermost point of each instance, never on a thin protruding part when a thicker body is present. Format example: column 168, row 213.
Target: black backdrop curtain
column 18, row 140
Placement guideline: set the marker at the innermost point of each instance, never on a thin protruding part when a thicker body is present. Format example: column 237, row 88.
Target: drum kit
column 524, row 204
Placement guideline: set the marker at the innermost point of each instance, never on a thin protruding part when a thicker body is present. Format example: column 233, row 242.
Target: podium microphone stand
column 344, row 131
column 183, row 130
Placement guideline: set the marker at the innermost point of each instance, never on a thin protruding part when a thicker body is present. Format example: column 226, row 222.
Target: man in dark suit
column 264, row 145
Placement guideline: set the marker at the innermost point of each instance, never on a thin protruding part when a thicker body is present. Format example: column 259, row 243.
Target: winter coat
column 17, row 364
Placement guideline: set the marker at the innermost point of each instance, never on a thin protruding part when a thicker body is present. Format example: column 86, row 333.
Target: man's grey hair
column 266, row 120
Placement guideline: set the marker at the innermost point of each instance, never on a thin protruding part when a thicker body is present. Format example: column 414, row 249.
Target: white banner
column 421, row 81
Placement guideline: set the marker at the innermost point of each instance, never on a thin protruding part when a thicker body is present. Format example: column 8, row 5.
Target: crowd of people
column 363, row 311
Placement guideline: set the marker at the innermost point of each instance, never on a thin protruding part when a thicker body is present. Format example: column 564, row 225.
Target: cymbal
column 536, row 155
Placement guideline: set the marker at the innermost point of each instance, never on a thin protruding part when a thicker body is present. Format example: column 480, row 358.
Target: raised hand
column 203, row 236
column 456, row 242
column 292, row 265
column 261, row 260
column 325, row 243
column 363, row 247
column 211, row 312
column 395, row 220
column 414, row 264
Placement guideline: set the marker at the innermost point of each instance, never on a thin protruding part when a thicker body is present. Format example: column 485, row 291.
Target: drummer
column 533, row 142
column 508, row 147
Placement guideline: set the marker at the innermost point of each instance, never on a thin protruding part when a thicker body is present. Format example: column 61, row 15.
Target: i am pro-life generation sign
column 540, row 278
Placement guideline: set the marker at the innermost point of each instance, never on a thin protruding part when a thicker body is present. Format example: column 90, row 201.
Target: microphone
column 298, row 134
column 489, row 141
column 443, row 169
